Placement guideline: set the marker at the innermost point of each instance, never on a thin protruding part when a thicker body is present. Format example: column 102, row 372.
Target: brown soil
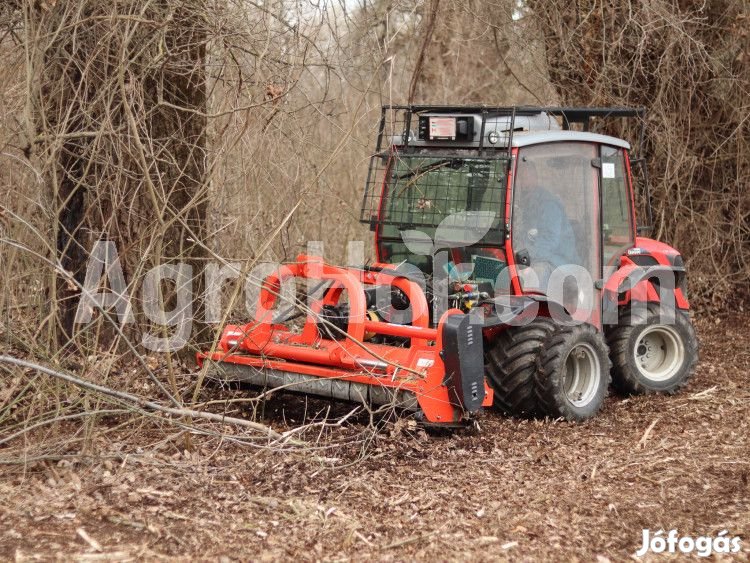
column 536, row 490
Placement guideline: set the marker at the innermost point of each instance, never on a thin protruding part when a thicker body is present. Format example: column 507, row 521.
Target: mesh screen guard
column 418, row 186
column 426, row 188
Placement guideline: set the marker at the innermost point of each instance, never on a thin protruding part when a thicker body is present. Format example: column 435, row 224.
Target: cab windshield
column 426, row 191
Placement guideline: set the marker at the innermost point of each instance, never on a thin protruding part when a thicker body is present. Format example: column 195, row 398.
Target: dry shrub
column 487, row 52
column 183, row 131
column 135, row 122
column 687, row 63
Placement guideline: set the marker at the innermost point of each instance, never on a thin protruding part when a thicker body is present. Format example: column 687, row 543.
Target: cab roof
column 526, row 138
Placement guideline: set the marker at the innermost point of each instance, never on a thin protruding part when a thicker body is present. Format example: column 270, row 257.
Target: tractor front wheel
column 510, row 364
column 654, row 350
column 572, row 377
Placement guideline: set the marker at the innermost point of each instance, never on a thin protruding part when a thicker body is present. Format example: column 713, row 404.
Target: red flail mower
column 510, row 273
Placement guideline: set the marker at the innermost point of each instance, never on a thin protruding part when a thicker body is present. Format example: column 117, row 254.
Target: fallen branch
column 646, row 434
column 144, row 404
column 60, row 419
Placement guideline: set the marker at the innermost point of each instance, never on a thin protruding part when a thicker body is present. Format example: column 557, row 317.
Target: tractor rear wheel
column 652, row 354
column 510, row 365
column 572, row 377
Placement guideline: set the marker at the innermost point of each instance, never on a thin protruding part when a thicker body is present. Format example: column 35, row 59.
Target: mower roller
column 510, row 273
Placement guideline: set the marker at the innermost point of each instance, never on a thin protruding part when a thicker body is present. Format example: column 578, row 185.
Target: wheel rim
column 659, row 353
column 582, row 375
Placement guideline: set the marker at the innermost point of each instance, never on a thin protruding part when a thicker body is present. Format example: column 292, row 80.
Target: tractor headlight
column 493, row 137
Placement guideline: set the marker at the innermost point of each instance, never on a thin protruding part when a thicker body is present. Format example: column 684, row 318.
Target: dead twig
column 145, row 404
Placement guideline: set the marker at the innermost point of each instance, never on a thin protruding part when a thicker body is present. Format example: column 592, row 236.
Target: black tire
column 510, row 364
column 572, row 376
column 652, row 355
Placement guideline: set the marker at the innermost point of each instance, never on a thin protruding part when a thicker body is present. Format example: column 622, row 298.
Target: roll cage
column 405, row 132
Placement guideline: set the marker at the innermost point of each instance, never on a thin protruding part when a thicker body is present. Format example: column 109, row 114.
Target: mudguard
column 647, row 261
column 516, row 310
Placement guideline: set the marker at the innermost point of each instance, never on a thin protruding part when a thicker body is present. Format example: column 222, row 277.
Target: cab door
column 556, row 225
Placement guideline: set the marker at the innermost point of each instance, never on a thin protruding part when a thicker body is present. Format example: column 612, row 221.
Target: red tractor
column 510, row 273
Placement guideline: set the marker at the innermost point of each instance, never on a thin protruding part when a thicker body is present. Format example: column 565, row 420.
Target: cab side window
column 617, row 230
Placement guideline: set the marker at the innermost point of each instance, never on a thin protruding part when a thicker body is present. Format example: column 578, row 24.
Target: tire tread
column 511, row 363
column 625, row 381
column 548, row 386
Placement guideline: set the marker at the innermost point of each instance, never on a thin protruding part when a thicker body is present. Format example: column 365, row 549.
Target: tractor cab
column 512, row 200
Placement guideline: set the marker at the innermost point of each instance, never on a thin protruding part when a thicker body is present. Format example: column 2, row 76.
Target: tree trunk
column 121, row 120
